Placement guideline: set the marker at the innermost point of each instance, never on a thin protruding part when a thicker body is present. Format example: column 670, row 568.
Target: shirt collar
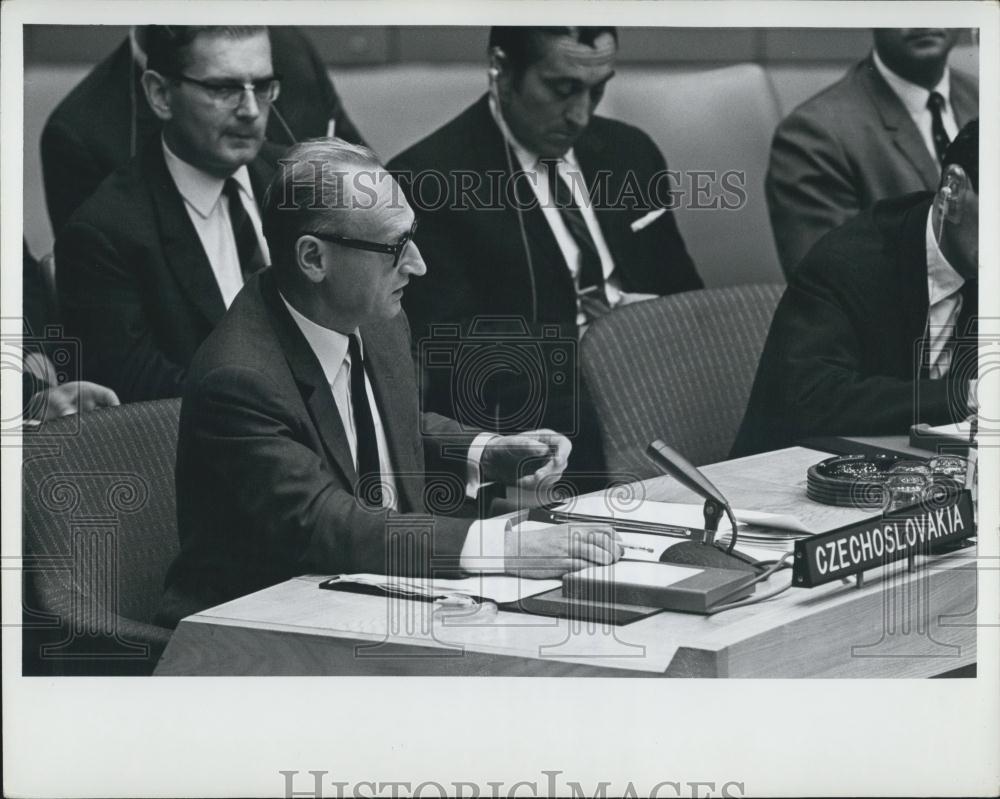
column 942, row 279
column 913, row 97
column 329, row 346
column 528, row 159
column 198, row 188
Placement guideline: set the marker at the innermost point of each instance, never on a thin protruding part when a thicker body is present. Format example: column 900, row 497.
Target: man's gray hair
column 313, row 190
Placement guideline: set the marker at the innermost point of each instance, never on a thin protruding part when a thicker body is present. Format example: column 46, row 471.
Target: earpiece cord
column 494, row 73
column 778, row 566
column 281, row 119
column 133, row 118
column 732, row 521
column 524, row 238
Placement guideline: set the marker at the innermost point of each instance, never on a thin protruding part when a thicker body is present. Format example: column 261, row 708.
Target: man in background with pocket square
column 536, row 215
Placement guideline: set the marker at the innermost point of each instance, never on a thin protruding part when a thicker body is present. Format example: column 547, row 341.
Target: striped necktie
column 591, row 273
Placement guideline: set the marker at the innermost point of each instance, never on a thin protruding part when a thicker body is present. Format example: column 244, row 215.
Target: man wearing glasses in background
column 302, row 448
column 149, row 264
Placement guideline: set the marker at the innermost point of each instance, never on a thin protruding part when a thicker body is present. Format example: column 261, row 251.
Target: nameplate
column 914, row 530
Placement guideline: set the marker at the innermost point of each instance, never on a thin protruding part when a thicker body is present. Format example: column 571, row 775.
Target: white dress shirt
column 569, row 171
column 914, row 99
column 484, row 545
column 945, row 299
column 208, row 210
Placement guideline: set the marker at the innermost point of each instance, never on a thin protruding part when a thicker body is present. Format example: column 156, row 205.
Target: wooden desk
column 898, row 625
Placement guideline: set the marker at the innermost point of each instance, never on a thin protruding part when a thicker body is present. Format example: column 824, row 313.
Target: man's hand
column 526, row 459
column 74, row 397
column 561, row 548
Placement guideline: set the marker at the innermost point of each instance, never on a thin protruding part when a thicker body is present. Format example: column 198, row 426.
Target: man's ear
column 309, row 259
column 158, row 94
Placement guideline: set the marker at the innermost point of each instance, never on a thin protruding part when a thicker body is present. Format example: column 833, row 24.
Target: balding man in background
column 878, row 132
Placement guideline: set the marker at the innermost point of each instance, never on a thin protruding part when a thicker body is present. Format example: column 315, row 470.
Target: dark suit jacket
column 476, row 261
column 133, row 280
column 851, row 145
column 842, row 354
column 265, row 477
column 104, row 120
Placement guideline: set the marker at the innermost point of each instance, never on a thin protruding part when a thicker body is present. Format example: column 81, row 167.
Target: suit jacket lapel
column 312, row 382
column 898, row 124
column 182, row 250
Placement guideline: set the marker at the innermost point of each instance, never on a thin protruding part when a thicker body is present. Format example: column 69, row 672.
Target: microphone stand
column 703, row 552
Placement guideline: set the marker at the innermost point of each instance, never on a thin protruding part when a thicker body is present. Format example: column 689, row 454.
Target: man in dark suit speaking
column 302, row 446
column 536, row 217
column 878, row 132
column 878, row 329
column 148, row 265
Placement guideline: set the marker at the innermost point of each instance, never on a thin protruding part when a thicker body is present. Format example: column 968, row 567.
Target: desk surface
column 899, row 624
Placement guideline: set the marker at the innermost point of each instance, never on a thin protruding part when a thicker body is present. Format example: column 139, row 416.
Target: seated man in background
column 105, row 120
column 536, row 216
column 878, row 132
column 877, row 329
column 148, row 265
column 302, row 446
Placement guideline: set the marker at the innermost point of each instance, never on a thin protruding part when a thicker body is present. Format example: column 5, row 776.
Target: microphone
column 703, row 552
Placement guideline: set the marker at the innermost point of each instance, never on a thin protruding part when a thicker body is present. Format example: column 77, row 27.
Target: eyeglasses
column 395, row 250
column 229, row 94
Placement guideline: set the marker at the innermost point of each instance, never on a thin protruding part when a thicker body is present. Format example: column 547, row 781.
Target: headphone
column 951, row 207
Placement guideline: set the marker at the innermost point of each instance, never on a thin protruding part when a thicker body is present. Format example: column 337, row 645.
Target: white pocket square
column 648, row 219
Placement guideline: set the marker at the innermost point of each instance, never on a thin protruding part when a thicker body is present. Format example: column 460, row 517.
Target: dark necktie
column 364, row 426
column 590, row 274
column 941, row 141
column 244, row 235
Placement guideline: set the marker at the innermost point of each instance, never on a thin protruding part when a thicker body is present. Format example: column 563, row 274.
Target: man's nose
column 248, row 105
column 579, row 109
column 411, row 262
